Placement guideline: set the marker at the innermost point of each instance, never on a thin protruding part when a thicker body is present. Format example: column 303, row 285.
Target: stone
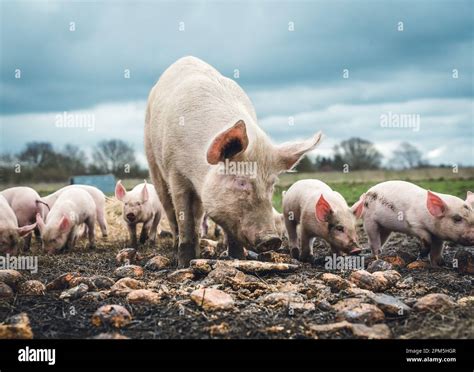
column 157, row 263
column 208, row 248
column 464, row 262
column 143, row 296
column 389, row 305
column 16, row 327
column 211, row 299
column 418, row 265
column 395, row 261
column 272, row 256
column 181, row 276
column 219, row 329
column 377, row 281
column 356, row 311
column 131, row 271
column 110, row 336
column 377, row 331
column 111, row 315
column 12, row 278
column 6, row 292
column 82, row 280
column 434, row 302
column 32, row 288
column 102, row 282
column 466, row 301
column 379, row 265
column 128, row 256
column 249, row 266
column 62, row 281
column 125, row 285
column 94, row 296
column 335, row 282
column 74, row 293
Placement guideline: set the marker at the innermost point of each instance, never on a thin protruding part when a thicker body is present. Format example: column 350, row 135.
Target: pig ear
column 289, row 154
column 323, row 209
column 358, row 207
column 39, row 222
column 435, row 205
column 145, row 192
column 469, row 193
column 26, row 230
column 228, row 144
column 120, row 191
column 64, row 224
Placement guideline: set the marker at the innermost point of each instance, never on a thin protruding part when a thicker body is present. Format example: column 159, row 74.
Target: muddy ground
column 177, row 316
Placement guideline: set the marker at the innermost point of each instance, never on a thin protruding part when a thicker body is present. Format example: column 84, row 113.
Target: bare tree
column 407, row 156
column 113, row 156
column 357, row 153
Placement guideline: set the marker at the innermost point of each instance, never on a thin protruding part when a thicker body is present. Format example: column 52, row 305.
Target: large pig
column 10, row 233
column 317, row 211
column 26, row 203
column 73, row 208
column 199, row 128
column 407, row 208
column 140, row 205
column 95, row 193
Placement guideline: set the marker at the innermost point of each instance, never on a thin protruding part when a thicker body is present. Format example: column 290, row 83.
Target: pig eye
column 241, row 184
column 340, row 228
column 457, row 218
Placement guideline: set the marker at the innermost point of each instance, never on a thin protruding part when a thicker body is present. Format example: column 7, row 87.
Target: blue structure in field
column 104, row 182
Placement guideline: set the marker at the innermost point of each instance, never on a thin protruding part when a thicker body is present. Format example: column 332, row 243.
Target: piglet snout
column 131, row 217
column 355, row 251
column 268, row 243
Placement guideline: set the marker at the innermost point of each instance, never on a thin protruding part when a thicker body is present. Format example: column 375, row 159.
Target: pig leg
column 436, row 252
column 183, row 197
column 132, row 229
column 204, row 227
column 102, row 222
column 27, row 243
column 306, row 247
column 154, row 228
column 145, row 231
column 91, row 232
column 234, row 248
column 375, row 240
column 291, row 227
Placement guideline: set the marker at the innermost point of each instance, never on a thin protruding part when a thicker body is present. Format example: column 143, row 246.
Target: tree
column 38, row 154
column 357, row 153
column 75, row 158
column 113, row 156
column 305, row 165
column 407, row 156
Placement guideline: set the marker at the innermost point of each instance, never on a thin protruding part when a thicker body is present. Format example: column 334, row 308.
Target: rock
column 16, row 327
column 102, row 282
column 208, row 248
column 272, row 256
column 219, row 329
column 335, row 282
column 283, row 298
column 157, row 263
column 12, row 278
column 418, row 265
column 379, row 265
column 395, row 261
column 211, row 299
column 356, row 311
column 464, row 262
column 389, row 304
column 143, row 296
column 128, row 256
column 132, row 271
column 181, row 276
column 6, row 292
column 466, row 301
column 274, row 329
column 250, row 255
column 74, row 293
column 405, row 283
column 110, row 336
column 62, row 281
column 111, row 315
column 82, row 280
column 125, row 285
column 32, row 288
column 251, row 267
column 377, row 331
column 377, row 281
column 94, row 296
column 434, row 302
column 221, row 274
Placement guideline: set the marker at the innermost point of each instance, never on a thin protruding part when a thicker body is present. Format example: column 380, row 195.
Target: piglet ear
column 26, row 230
column 436, row 206
column 358, row 207
column 120, row 191
column 40, row 222
column 323, row 209
column 144, row 192
column 64, row 224
column 228, row 144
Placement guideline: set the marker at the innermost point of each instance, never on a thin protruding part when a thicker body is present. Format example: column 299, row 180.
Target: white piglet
column 399, row 206
column 140, row 205
column 314, row 209
column 73, row 208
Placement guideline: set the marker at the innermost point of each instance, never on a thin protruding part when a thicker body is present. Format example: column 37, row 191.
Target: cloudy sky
column 345, row 67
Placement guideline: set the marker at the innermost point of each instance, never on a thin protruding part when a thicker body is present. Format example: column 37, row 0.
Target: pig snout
column 268, row 243
column 467, row 238
column 131, row 217
column 355, row 251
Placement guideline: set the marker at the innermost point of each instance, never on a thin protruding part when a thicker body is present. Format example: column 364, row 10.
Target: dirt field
column 273, row 305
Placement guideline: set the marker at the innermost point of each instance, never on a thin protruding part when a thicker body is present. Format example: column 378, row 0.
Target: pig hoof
column 437, row 263
column 295, row 253
column 186, row 253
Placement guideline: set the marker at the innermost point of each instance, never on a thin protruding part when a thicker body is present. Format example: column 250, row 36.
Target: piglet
column 10, row 233
column 470, row 199
column 25, row 203
column 403, row 207
column 73, row 208
column 279, row 221
column 140, row 205
column 314, row 209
